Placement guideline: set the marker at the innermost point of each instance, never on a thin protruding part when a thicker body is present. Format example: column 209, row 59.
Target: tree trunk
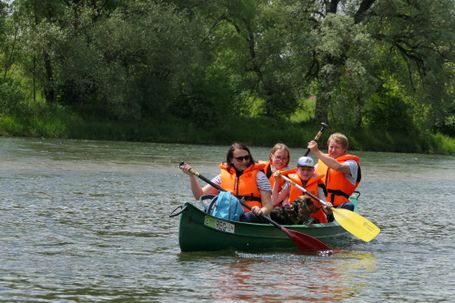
column 362, row 11
column 49, row 90
column 322, row 104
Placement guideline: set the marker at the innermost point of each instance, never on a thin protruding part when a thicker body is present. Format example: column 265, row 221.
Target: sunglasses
column 246, row 158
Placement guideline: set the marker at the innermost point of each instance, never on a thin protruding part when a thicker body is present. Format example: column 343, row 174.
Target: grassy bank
column 59, row 123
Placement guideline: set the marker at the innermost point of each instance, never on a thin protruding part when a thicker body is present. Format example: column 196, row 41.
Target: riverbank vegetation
column 217, row 71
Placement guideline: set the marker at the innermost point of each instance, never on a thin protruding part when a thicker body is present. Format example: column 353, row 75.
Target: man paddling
column 341, row 170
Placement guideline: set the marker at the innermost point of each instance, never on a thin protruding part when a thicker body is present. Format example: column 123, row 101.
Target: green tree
column 12, row 97
column 120, row 58
column 244, row 38
column 348, row 49
column 211, row 61
column 147, row 50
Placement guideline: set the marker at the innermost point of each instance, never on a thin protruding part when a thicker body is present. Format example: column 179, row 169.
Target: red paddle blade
column 304, row 242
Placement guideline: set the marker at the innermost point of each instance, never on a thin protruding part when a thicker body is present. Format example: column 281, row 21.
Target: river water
column 88, row 221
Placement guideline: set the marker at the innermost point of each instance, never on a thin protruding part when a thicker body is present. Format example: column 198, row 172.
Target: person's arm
column 277, row 195
column 267, row 205
column 266, row 195
column 329, row 161
column 322, row 195
column 196, row 188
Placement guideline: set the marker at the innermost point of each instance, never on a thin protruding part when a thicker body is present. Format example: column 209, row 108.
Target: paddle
column 318, row 135
column 305, row 243
column 354, row 223
column 316, row 138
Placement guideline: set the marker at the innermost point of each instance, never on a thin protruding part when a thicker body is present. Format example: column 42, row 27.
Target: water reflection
column 281, row 277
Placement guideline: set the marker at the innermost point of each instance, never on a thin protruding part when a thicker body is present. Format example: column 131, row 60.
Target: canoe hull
column 199, row 231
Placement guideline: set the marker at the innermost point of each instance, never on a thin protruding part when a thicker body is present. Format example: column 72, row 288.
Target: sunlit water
column 87, row 221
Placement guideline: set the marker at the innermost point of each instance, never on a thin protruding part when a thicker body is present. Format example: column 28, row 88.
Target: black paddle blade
column 306, row 243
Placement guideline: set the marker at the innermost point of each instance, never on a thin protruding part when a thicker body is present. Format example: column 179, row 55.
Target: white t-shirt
column 354, row 168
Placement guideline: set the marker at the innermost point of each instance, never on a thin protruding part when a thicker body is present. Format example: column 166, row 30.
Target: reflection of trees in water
column 288, row 278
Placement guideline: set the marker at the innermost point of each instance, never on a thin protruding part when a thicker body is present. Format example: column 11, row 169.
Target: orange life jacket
column 339, row 188
column 269, row 174
column 284, row 173
column 243, row 186
column 312, row 186
column 289, row 171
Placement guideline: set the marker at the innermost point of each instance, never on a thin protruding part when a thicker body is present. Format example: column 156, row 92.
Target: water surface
column 87, row 221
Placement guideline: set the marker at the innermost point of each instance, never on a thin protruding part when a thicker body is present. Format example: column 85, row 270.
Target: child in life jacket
column 306, row 177
column 279, row 157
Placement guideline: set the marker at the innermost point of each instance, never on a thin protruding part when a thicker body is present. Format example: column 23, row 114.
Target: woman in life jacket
column 306, row 177
column 278, row 160
column 243, row 178
column 341, row 171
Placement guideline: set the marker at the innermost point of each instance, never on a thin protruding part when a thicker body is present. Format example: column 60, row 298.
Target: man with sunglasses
column 241, row 176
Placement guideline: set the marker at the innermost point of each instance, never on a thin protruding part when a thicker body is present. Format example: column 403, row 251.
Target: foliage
column 12, row 99
column 443, row 144
column 206, row 99
column 215, row 71
column 389, row 110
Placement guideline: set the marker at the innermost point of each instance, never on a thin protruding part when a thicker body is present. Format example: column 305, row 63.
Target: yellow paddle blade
column 357, row 225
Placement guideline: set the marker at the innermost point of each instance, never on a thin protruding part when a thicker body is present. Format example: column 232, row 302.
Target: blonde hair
column 280, row 146
column 340, row 139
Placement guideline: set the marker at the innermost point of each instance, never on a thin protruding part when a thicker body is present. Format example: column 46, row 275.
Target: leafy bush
column 12, row 98
column 388, row 112
column 206, row 100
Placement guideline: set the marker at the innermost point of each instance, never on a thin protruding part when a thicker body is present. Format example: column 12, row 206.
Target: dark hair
column 230, row 153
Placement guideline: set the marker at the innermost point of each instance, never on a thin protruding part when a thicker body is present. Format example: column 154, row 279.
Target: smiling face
column 335, row 149
column 279, row 159
column 337, row 145
column 305, row 172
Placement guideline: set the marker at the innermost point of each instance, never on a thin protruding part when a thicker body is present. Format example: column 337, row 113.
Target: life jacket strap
column 337, row 192
column 249, row 198
column 268, row 173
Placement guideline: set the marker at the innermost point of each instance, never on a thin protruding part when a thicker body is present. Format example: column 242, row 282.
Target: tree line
column 385, row 66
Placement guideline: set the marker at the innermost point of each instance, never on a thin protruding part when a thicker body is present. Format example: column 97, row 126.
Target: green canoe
column 202, row 232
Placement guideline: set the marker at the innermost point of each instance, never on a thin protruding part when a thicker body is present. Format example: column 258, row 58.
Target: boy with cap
column 306, row 177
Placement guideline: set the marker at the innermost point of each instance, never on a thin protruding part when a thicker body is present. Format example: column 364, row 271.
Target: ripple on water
column 84, row 221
